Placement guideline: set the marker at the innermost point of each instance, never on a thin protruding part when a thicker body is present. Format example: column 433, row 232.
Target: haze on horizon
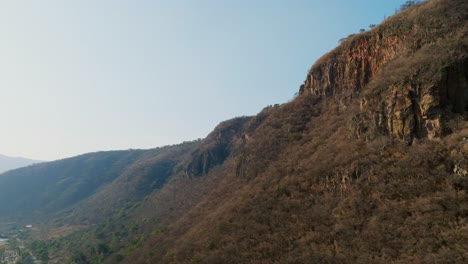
column 83, row 76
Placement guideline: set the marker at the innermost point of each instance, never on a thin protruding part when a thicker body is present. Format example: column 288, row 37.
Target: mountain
column 10, row 163
column 49, row 188
column 368, row 164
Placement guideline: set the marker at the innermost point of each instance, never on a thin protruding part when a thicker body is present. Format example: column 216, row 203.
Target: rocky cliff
column 409, row 73
column 217, row 146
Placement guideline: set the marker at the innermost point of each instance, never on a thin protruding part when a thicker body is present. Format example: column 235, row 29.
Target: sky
column 80, row 76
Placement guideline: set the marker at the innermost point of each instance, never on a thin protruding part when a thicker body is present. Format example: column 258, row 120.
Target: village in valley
column 7, row 255
column 12, row 249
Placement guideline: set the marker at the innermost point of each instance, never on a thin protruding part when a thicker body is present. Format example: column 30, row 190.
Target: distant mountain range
column 11, row 163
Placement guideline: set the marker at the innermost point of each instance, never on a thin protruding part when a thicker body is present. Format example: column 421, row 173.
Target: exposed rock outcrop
column 348, row 69
column 226, row 138
column 407, row 83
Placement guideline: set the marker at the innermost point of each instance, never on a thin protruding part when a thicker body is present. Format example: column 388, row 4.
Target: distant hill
column 11, row 163
column 48, row 188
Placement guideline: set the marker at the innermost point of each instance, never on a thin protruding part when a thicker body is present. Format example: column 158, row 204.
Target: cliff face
column 348, row 69
column 229, row 138
column 216, row 148
column 454, row 86
column 418, row 107
column 409, row 74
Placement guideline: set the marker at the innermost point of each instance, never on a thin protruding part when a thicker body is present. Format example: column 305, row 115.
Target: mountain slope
column 10, row 163
column 47, row 189
column 52, row 186
column 369, row 164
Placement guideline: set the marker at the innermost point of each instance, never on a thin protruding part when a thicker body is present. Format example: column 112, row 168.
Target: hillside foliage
column 350, row 171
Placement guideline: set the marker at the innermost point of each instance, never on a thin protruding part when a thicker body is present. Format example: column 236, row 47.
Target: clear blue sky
column 87, row 75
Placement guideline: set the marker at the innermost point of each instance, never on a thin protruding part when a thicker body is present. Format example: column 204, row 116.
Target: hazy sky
column 79, row 76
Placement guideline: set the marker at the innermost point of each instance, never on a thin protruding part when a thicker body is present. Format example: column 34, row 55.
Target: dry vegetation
column 326, row 198
column 301, row 182
column 306, row 189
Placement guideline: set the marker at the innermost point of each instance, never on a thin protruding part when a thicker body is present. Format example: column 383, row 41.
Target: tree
column 79, row 258
column 102, row 249
column 408, row 4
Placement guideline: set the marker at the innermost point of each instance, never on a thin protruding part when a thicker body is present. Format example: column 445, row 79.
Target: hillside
column 46, row 189
column 368, row 164
column 11, row 163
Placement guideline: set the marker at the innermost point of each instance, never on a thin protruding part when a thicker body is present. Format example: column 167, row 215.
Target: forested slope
column 368, row 164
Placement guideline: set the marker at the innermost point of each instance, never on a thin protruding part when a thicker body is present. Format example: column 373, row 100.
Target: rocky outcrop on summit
column 227, row 139
column 219, row 144
column 349, row 68
column 410, row 73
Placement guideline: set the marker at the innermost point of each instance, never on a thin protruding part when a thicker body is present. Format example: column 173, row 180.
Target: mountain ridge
column 416, row 80
column 10, row 163
column 368, row 164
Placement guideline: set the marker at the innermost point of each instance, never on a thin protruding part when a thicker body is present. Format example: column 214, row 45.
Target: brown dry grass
column 303, row 188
